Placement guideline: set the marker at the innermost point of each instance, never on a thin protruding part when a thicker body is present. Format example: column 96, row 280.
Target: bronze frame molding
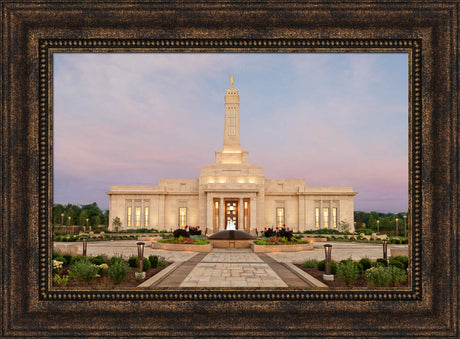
column 33, row 31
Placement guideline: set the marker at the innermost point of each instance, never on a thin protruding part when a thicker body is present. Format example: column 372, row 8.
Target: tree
column 372, row 223
column 116, row 223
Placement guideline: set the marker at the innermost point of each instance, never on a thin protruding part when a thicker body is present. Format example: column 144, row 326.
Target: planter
column 181, row 247
column 316, row 239
column 281, row 248
column 139, row 275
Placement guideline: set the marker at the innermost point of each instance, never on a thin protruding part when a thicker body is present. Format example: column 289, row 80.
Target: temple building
column 232, row 191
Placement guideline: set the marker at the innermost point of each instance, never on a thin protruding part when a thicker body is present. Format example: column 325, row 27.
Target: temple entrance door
column 231, row 212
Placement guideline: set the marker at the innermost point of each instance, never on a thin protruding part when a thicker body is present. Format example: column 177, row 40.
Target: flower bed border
column 281, row 248
column 181, row 247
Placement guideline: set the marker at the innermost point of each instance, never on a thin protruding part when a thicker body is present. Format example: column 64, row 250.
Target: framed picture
column 38, row 35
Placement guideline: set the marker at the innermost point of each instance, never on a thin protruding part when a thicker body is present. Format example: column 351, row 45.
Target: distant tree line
column 387, row 221
column 78, row 215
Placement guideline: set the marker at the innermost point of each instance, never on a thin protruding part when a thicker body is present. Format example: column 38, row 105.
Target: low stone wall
column 316, row 239
column 404, row 251
column 281, row 248
column 66, row 249
column 231, row 243
column 181, row 247
column 148, row 238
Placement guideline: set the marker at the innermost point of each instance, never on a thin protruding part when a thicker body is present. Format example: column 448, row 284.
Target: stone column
column 161, row 213
column 301, row 225
column 330, row 214
column 240, row 215
column 321, row 215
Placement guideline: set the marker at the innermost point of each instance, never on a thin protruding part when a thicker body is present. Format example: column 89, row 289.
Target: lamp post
column 397, row 231
column 327, row 252
column 85, row 245
column 405, row 223
column 378, row 225
column 140, row 255
column 62, row 219
column 385, row 244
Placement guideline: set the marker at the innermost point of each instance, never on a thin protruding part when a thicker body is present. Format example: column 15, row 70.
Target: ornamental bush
column 77, row 258
column 310, row 263
column 285, row 233
column 118, row 271
column 398, row 275
column 322, row 266
column 378, row 276
column 383, row 261
column 114, row 260
column 348, row 272
column 394, row 262
column 269, row 232
column 402, row 258
column 133, row 262
column 146, row 264
column 180, row 232
column 68, row 258
column 83, row 269
column 365, row 263
column 98, row 260
column 153, row 261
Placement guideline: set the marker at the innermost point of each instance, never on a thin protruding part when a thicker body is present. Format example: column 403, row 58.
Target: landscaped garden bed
column 354, row 274
column 184, row 239
column 100, row 273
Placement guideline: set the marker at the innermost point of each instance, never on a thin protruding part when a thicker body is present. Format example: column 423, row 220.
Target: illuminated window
column 280, row 217
column 129, row 217
column 334, row 217
column 317, row 217
column 146, row 217
column 138, row 216
column 326, row 217
column 216, row 214
column 246, row 225
column 182, row 216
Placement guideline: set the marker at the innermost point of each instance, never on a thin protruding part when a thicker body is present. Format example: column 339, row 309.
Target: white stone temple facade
column 231, row 190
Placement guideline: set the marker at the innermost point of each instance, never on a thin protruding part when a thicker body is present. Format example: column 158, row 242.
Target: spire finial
column 231, row 80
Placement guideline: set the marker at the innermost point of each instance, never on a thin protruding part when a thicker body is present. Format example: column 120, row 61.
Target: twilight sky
column 332, row 119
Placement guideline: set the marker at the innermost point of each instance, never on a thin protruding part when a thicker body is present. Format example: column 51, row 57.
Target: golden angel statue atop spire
column 231, row 80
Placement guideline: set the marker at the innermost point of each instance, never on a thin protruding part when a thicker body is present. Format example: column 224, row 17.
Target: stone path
column 232, row 268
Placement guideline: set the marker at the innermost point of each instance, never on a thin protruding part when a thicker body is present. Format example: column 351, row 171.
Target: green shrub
column 365, row 263
column 378, row 276
column 383, row 261
column 322, row 266
column 396, row 263
column 348, row 272
column 146, row 264
column 310, row 263
column 76, row 258
column 378, row 264
column 398, row 275
column 61, row 280
column 402, row 258
column 161, row 263
column 84, row 270
column 68, row 258
column 60, row 258
column 114, row 260
column 98, row 260
column 153, row 261
column 118, row 271
column 133, row 261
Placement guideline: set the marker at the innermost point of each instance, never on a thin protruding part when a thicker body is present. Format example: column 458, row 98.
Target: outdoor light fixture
column 385, row 244
column 405, row 223
column 69, row 220
column 85, row 245
column 397, row 231
column 378, row 224
column 87, row 222
column 140, row 255
column 62, row 219
column 327, row 252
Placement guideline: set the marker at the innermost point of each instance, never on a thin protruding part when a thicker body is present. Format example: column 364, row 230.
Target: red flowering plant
column 194, row 230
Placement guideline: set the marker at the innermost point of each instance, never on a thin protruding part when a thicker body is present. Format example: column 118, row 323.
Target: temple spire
column 232, row 120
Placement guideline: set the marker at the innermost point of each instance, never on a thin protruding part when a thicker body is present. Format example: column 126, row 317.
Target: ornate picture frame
column 33, row 31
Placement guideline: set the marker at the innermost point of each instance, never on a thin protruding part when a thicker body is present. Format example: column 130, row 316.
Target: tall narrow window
column 129, row 216
column 317, row 217
column 246, row 207
column 326, row 217
column 146, row 217
column 280, row 217
column 334, row 217
column 216, row 215
column 138, row 216
column 182, row 216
